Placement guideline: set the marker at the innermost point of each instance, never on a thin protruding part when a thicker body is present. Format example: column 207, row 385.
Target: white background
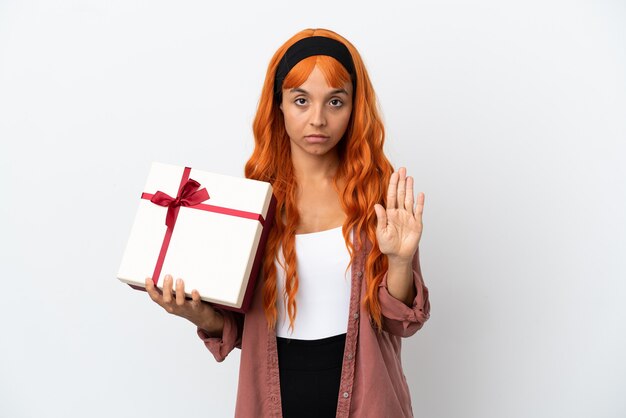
column 510, row 115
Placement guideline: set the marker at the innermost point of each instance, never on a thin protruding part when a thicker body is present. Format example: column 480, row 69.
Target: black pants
column 310, row 374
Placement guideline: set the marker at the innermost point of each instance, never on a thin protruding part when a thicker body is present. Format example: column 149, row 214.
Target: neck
column 313, row 169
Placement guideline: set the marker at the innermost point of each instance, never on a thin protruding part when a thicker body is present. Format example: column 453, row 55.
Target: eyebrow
column 336, row 91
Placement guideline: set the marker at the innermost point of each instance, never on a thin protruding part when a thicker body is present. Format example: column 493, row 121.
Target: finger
column 401, row 188
column 381, row 216
column 152, row 291
column 167, row 289
column 419, row 208
column 195, row 298
column 180, row 292
column 408, row 200
column 391, row 191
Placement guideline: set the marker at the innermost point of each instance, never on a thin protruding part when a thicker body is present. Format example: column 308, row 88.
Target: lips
column 316, row 138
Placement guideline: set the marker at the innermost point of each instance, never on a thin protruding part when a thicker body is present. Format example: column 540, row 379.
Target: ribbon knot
column 188, row 195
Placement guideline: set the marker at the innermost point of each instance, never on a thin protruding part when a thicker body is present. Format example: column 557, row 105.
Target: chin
column 319, row 150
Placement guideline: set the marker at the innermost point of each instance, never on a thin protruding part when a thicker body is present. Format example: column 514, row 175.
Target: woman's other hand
column 195, row 310
column 399, row 226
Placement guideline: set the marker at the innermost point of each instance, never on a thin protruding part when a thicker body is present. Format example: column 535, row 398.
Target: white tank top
column 323, row 296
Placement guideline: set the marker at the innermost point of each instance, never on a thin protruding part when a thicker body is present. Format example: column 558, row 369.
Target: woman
column 341, row 282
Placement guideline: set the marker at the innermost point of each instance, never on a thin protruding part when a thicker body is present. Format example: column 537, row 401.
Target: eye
column 336, row 103
column 300, row 101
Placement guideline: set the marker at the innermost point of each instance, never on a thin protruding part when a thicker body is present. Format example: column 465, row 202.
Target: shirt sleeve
column 398, row 318
column 220, row 347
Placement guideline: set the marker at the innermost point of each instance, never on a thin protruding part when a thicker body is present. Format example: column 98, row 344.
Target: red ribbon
column 188, row 196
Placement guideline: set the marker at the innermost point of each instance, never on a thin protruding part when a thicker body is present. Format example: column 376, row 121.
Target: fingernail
column 168, row 277
column 178, row 281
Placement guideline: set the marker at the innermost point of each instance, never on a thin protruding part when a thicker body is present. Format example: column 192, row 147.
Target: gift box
column 208, row 229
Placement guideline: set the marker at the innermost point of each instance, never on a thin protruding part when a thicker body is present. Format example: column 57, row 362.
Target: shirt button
column 345, row 394
column 355, row 316
column 350, row 356
column 359, row 273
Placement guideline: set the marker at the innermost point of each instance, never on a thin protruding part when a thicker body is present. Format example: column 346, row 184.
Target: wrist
column 399, row 261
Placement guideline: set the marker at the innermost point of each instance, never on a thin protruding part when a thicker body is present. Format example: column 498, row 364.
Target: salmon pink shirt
column 372, row 381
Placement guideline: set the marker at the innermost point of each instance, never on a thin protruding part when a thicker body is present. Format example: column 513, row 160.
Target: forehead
column 316, row 83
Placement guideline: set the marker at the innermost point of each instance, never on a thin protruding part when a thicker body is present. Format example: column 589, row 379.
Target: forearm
column 215, row 326
column 400, row 280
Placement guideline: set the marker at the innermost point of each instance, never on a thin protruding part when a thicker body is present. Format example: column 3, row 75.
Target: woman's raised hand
column 195, row 310
column 399, row 226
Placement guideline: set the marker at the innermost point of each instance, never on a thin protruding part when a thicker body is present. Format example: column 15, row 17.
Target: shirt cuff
column 220, row 347
column 398, row 318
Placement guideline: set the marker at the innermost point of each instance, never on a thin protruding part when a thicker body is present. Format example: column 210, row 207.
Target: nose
column 318, row 116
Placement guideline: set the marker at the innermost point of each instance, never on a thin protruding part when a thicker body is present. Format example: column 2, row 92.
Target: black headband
column 307, row 47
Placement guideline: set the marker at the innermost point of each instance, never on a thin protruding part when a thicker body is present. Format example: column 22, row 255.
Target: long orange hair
column 364, row 169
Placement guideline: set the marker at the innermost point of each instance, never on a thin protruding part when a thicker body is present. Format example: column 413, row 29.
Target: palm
column 399, row 227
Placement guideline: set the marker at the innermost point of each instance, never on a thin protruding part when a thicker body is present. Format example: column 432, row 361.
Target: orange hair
column 364, row 169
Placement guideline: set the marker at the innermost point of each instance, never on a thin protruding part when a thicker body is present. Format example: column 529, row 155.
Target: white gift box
column 215, row 244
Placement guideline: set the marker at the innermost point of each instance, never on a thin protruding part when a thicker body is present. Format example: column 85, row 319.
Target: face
column 316, row 114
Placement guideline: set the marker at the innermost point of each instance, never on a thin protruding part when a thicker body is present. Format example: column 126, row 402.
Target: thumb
column 381, row 216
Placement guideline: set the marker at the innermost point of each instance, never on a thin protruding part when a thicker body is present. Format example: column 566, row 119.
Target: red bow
column 188, row 195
